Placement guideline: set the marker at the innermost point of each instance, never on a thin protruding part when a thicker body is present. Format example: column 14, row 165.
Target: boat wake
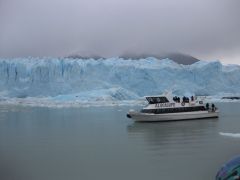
column 234, row 135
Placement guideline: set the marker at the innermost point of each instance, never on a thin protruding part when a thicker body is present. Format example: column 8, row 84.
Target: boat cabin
column 168, row 104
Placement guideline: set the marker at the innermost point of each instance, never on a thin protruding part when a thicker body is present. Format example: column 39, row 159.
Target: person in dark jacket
column 213, row 107
column 207, row 106
column 192, row 98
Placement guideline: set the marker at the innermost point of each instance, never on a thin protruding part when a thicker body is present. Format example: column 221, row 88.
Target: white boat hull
column 148, row 117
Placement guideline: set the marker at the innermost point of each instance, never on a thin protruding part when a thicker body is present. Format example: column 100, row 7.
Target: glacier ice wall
column 113, row 78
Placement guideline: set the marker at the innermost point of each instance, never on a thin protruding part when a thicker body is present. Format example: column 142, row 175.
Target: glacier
column 115, row 80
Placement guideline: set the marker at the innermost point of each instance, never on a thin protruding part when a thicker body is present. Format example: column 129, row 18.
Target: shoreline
column 49, row 102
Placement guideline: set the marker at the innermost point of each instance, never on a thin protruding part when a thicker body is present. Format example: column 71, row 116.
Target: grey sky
column 207, row 29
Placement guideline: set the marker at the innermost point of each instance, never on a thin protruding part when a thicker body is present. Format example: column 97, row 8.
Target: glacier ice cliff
column 113, row 78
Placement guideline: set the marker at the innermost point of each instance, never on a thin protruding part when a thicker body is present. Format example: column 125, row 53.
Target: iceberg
column 111, row 80
column 234, row 135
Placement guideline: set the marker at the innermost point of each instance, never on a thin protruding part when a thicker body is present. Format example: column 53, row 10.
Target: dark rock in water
column 232, row 98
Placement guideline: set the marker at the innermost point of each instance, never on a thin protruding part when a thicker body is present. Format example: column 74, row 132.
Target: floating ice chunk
column 234, row 135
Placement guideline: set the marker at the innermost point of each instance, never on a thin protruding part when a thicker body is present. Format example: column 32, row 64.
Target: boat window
column 155, row 100
column 173, row 110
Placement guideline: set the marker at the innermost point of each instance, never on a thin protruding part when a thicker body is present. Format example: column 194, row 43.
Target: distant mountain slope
column 182, row 58
column 177, row 57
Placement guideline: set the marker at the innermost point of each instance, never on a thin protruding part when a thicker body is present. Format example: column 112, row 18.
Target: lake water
column 102, row 144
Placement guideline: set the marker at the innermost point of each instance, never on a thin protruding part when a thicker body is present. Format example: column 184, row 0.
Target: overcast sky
column 206, row 29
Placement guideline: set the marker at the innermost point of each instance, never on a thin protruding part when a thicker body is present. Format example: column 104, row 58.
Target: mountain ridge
column 179, row 58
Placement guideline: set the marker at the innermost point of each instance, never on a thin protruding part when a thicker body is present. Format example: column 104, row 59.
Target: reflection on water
column 175, row 134
column 178, row 146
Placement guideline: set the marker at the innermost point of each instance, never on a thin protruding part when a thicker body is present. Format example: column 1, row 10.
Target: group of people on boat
column 213, row 108
column 184, row 99
column 176, row 99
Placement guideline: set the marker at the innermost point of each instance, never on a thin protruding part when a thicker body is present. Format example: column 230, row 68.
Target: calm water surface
column 102, row 144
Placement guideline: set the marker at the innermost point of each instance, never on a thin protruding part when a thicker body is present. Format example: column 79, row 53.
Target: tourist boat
column 168, row 108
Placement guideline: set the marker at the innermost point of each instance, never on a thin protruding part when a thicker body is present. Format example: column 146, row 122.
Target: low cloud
column 205, row 29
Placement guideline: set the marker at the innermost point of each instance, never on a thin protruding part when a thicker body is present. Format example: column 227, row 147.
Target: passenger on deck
column 175, row 98
column 184, row 98
column 192, row 98
column 207, row 106
column 178, row 99
column 213, row 107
